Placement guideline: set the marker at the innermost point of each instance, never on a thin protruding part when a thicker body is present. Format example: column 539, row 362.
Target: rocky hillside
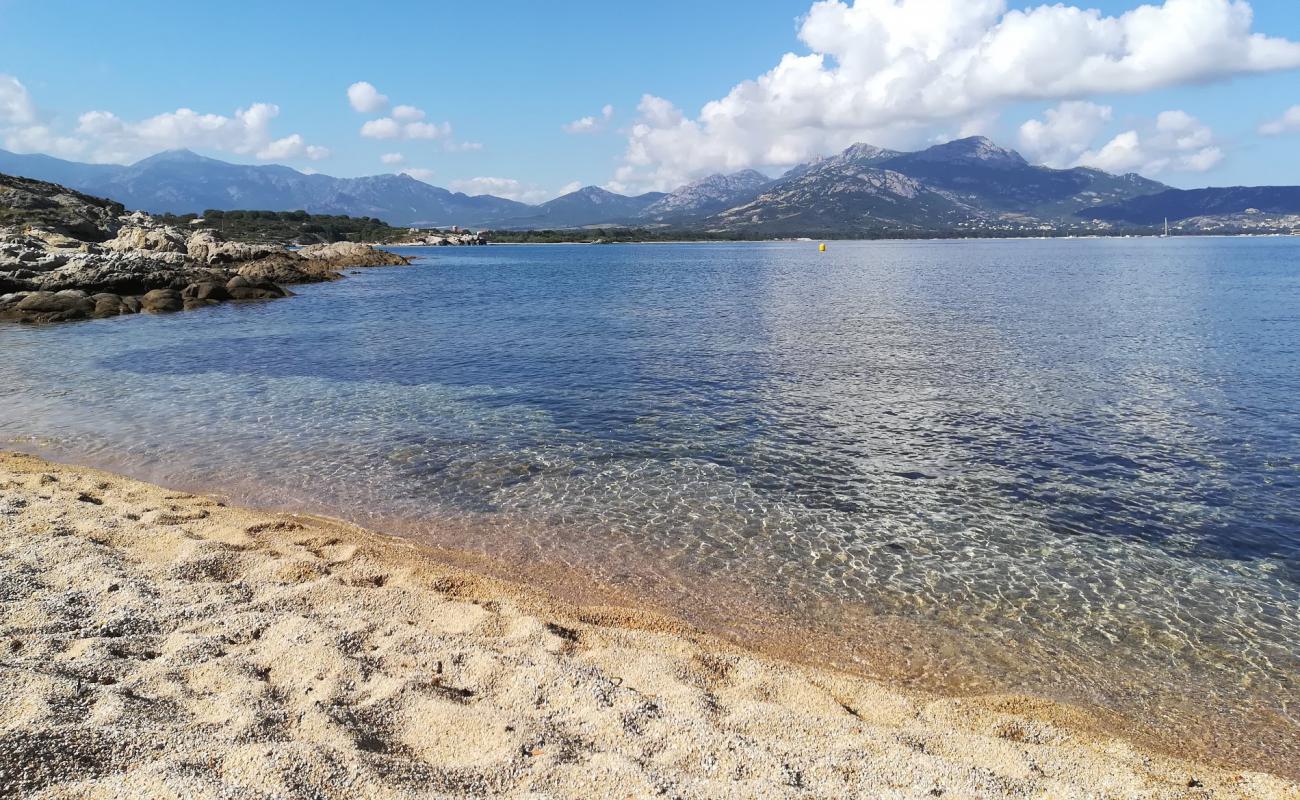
column 181, row 182
column 1181, row 204
column 706, row 196
column 54, row 208
column 590, row 205
column 966, row 184
column 969, row 185
column 66, row 256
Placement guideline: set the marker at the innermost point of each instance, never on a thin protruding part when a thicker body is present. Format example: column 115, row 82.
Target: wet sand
column 161, row 644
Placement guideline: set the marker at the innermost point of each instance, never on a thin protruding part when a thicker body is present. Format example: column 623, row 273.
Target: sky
column 528, row 100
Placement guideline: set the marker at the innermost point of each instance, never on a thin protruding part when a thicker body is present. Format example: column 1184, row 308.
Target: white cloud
column 104, row 137
column 292, row 146
column 1289, row 122
column 1174, row 141
column 21, row 129
column 248, row 132
column 508, row 188
column 42, row 139
column 382, row 128
column 428, row 130
column 392, row 158
column 883, row 70
column 390, row 128
column 592, row 124
column 16, row 106
column 1066, row 133
column 365, row 98
column 407, row 114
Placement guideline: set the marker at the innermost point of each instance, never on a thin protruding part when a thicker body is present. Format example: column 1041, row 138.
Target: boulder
column 111, row 305
column 57, row 303
column 207, row 247
column 238, row 282
column 338, row 255
column 148, row 237
column 162, row 300
column 262, row 291
column 206, row 290
column 48, row 307
column 287, row 268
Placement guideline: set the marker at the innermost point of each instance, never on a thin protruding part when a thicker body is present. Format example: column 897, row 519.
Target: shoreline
column 219, row 594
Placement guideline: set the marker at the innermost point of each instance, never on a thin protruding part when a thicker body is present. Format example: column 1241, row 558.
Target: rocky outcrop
column 106, row 264
column 444, row 239
column 50, row 207
column 207, row 247
column 288, row 268
column 141, row 233
column 341, row 255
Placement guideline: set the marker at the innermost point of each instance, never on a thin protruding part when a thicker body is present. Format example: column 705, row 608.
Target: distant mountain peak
column 176, row 156
column 862, row 150
column 710, row 193
column 972, row 149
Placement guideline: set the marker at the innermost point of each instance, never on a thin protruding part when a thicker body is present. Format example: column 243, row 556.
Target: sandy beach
column 162, row 644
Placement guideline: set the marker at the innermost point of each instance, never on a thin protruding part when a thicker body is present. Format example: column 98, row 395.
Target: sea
column 1067, row 468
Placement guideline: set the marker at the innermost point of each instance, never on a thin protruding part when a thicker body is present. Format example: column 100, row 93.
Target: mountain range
column 969, row 184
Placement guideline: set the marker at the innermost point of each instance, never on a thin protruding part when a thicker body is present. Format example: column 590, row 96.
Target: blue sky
column 508, row 77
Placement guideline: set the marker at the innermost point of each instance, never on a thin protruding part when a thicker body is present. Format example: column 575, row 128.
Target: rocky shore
column 163, row 644
column 68, row 256
column 444, row 239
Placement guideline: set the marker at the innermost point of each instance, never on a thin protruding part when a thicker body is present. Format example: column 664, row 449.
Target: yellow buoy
column 821, row 248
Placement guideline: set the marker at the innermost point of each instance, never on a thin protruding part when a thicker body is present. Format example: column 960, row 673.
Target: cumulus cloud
column 1067, row 136
column 42, row 139
column 882, row 70
column 104, row 137
column 391, row 128
column 247, row 132
column 21, row 129
column 593, row 124
column 392, row 158
column 402, row 122
column 1178, row 142
column 407, row 114
column 508, row 188
column 366, row 99
column 16, row 106
column 1289, row 122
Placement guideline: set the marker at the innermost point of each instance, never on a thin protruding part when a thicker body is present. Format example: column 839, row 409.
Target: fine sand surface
column 161, row 644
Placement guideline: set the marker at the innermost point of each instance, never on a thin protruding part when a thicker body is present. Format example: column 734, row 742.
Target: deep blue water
column 1081, row 458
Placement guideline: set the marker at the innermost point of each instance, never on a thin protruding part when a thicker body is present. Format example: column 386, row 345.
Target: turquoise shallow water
column 1069, row 467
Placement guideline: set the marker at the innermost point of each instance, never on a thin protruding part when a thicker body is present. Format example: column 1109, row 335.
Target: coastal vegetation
column 287, row 227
